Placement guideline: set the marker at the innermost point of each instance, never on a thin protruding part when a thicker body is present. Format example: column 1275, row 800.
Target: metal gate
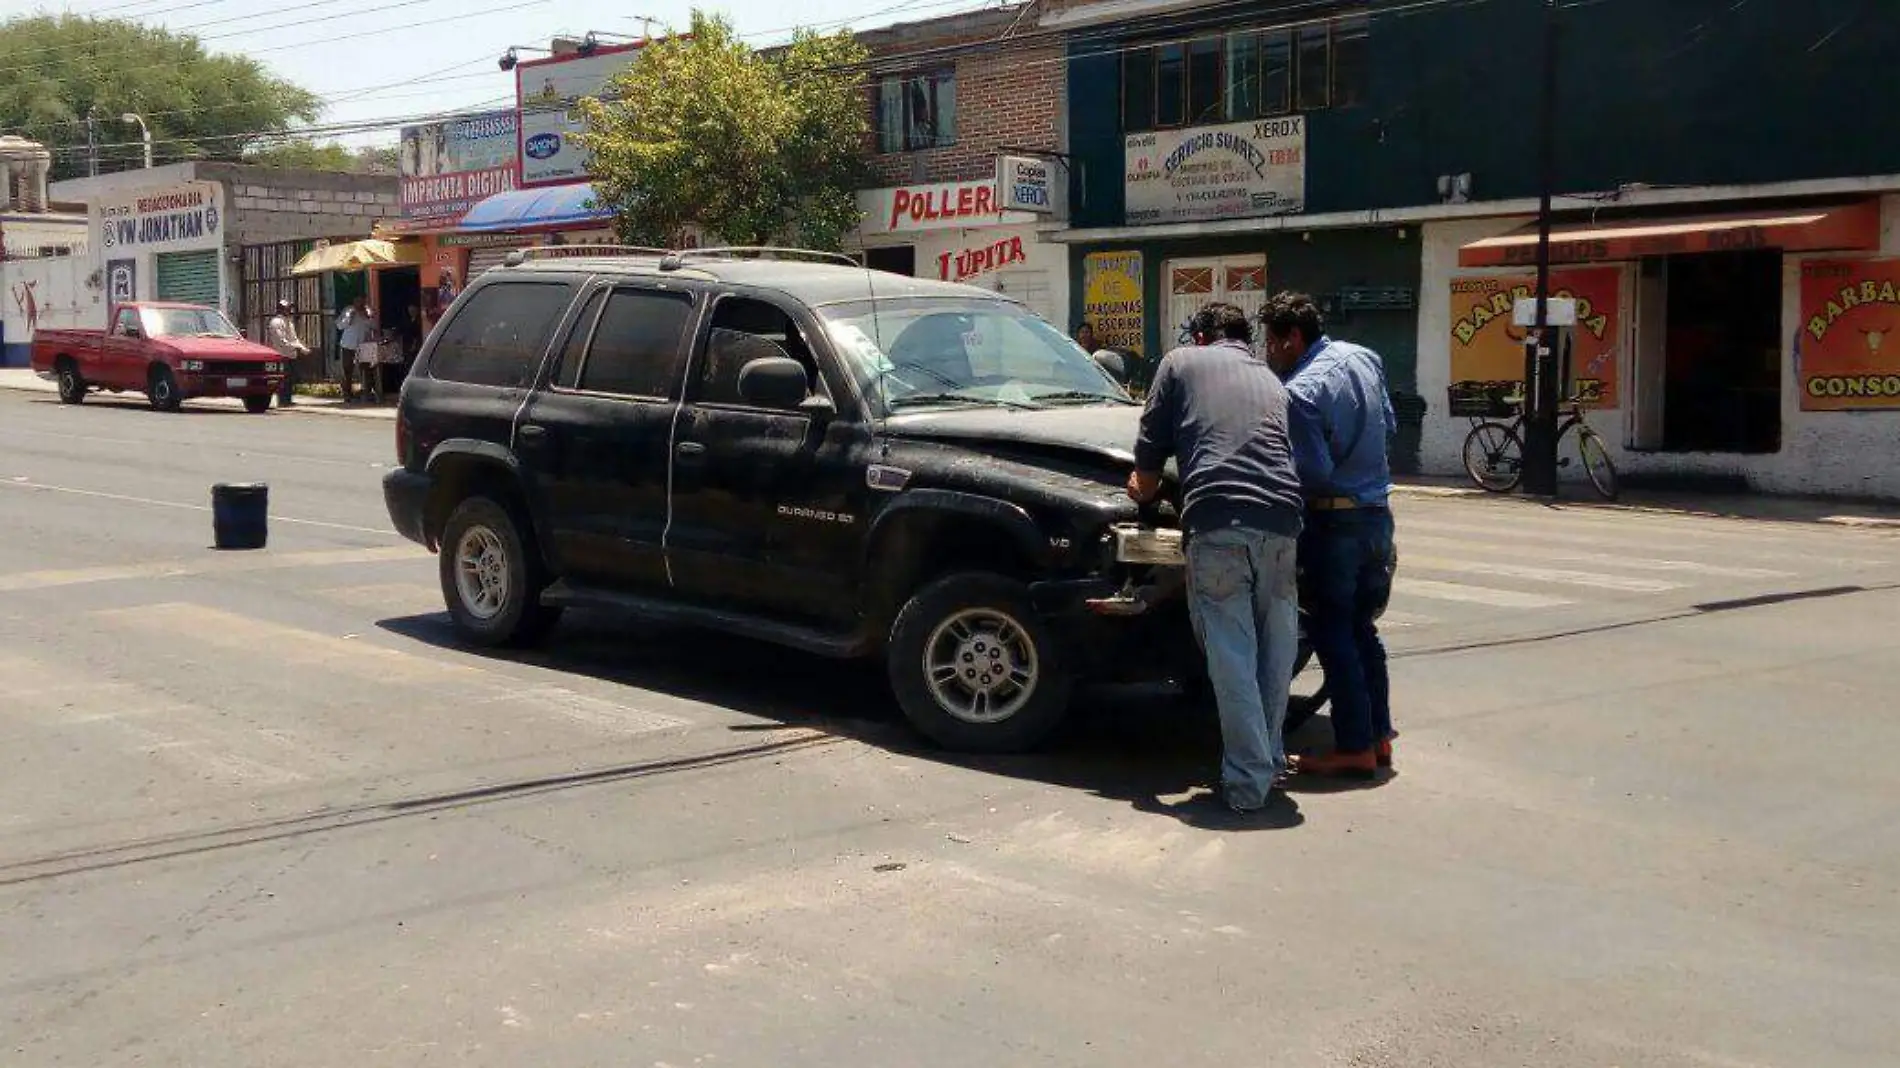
column 267, row 280
column 1193, row 284
column 190, row 277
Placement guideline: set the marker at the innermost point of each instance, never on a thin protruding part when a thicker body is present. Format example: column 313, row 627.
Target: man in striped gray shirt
column 1221, row 414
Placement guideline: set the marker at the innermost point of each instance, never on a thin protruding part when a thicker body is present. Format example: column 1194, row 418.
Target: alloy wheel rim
column 981, row 666
column 481, row 573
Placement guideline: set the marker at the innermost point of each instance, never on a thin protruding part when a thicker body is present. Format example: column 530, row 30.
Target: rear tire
column 1596, row 463
column 1494, row 457
column 72, row 388
column 162, row 389
column 257, row 405
column 974, row 668
column 492, row 577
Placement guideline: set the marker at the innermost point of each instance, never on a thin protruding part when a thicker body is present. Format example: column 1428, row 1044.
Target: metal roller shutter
column 191, row 277
column 481, row 260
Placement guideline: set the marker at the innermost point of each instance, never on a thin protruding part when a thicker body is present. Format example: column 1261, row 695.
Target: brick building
column 947, row 97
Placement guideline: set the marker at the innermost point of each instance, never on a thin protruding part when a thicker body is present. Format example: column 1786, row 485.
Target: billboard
column 1487, row 347
column 1241, row 170
column 1847, row 355
column 447, row 166
column 546, row 91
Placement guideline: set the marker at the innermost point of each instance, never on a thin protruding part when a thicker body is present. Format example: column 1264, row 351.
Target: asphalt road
column 258, row 809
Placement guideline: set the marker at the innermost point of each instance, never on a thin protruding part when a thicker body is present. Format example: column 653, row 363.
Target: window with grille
column 916, row 111
column 1245, row 74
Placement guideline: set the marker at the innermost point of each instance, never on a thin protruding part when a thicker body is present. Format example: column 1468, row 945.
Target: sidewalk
column 23, row 380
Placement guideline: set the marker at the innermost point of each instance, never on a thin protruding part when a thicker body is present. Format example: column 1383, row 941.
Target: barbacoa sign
column 1238, row 171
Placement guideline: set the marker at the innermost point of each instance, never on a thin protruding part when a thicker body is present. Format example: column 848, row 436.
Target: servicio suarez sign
column 1237, row 171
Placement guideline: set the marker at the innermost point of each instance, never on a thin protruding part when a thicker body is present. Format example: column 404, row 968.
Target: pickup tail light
column 402, row 439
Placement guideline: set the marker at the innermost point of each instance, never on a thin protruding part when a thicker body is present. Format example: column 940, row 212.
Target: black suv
column 801, row 450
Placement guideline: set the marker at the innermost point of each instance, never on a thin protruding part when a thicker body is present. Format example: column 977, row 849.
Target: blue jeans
column 1346, row 564
column 1242, row 595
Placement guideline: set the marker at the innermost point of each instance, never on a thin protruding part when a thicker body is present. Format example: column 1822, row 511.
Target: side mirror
column 774, row 382
column 1112, row 362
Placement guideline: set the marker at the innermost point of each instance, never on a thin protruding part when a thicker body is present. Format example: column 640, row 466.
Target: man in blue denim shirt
column 1341, row 416
column 1221, row 413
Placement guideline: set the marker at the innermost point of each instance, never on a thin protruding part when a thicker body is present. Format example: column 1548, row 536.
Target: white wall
column 64, row 290
column 1828, row 453
column 25, row 235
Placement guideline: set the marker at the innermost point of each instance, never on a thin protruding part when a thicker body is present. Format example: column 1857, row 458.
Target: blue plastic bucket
column 240, row 515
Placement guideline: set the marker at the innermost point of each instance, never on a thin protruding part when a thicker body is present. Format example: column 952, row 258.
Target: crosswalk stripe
column 1405, row 619
column 1485, row 595
column 206, row 629
column 1556, row 576
column 1509, row 532
column 1613, row 560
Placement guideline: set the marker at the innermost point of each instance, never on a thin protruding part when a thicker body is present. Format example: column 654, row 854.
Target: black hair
column 1221, row 321
column 1289, row 311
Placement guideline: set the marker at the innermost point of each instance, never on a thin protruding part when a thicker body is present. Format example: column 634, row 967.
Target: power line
column 327, row 40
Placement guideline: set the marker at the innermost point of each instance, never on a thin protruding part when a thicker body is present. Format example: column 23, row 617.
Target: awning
column 355, row 256
column 1838, row 228
column 529, row 209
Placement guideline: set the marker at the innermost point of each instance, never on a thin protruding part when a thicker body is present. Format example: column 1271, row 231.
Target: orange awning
column 1840, row 228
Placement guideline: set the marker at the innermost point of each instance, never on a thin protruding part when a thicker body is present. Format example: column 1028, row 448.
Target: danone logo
column 543, row 146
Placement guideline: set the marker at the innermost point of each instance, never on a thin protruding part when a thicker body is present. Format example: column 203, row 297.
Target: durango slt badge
column 543, row 146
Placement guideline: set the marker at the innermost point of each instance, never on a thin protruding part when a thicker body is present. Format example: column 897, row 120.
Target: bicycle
column 1494, row 450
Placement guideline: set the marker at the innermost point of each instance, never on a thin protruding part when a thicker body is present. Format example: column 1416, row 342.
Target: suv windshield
column 186, row 322
column 921, row 352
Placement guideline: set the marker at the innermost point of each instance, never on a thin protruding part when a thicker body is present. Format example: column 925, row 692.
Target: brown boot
column 1361, row 765
column 1385, row 753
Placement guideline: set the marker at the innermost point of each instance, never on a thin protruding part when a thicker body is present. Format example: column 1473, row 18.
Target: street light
column 145, row 132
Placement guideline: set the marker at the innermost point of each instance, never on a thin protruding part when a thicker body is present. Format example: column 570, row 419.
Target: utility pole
column 1540, row 354
column 92, row 141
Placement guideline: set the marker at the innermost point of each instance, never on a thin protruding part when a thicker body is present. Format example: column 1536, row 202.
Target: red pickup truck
column 169, row 352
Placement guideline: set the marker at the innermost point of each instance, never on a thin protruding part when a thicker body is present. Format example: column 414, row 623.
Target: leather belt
column 1331, row 504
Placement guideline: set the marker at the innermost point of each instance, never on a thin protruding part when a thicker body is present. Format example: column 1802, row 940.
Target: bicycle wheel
column 1494, row 457
column 1596, row 462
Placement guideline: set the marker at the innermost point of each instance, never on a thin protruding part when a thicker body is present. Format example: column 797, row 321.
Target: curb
column 302, row 408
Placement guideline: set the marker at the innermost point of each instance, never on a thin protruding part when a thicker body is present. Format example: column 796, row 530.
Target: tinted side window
column 744, row 330
column 637, row 344
column 498, row 338
column 567, row 371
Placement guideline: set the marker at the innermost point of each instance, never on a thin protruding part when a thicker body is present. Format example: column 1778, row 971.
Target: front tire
column 974, row 668
column 491, row 578
column 257, row 405
column 1494, row 457
column 72, row 388
column 162, row 390
column 1596, row 464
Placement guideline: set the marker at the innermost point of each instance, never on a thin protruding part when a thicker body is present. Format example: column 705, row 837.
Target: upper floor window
column 1238, row 76
column 916, row 111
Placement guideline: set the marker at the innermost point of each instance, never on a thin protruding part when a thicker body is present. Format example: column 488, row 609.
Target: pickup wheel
column 974, row 668
column 257, row 405
column 72, row 388
column 491, row 577
column 162, row 389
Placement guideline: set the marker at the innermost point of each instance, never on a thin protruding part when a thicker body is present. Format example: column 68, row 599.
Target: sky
column 380, row 59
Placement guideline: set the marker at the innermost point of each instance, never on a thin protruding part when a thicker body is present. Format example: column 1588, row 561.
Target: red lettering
column 1016, row 253
column 943, row 267
column 928, row 210
column 966, row 201
column 986, row 200
column 900, row 203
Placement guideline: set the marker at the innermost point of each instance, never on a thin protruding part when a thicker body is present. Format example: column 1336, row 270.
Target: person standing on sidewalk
column 1221, row 413
column 1341, row 418
column 354, row 327
column 281, row 334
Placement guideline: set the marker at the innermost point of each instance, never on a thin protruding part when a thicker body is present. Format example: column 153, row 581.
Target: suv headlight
column 191, row 365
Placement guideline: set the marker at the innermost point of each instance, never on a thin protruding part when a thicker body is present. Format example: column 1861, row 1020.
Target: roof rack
column 519, row 256
column 676, row 259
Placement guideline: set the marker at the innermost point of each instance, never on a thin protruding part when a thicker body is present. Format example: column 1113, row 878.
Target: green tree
column 55, row 70
column 754, row 148
column 310, row 156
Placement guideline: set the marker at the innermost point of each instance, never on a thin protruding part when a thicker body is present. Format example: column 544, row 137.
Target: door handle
column 533, row 432
column 690, row 448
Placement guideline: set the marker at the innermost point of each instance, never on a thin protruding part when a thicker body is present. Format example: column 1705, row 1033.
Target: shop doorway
column 1709, row 353
column 1195, row 283
column 398, row 304
column 897, row 259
